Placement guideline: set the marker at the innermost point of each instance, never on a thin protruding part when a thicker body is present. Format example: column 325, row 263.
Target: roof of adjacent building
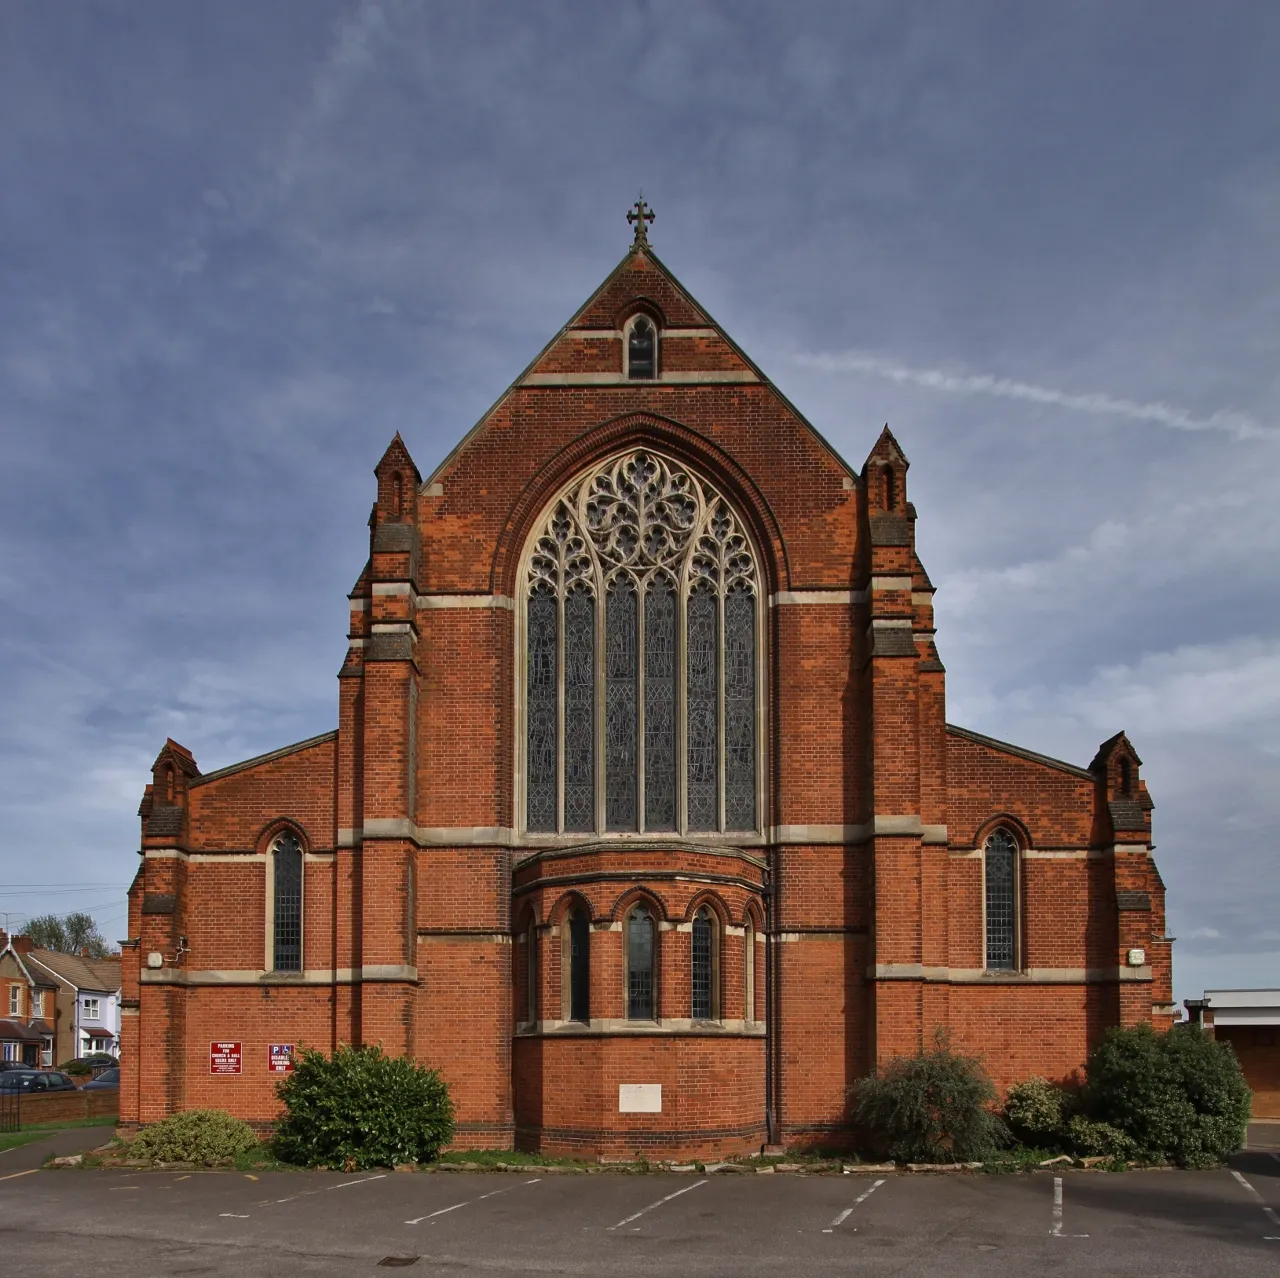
column 18, row 1032
column 83, row 973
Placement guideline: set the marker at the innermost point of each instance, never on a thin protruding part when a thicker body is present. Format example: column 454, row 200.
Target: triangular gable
column 641, row 276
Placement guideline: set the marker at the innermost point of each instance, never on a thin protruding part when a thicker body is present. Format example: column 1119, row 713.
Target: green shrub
column 76, row 1068
column 1036, row 1112
column 1178, row 1096
column 930, row 1108
column 1090, row 1138
column 360, row 1108
column 206, row 1136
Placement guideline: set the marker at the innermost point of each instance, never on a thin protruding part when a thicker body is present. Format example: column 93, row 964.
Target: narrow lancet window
column 660, row 706
column 740, row 710
column 286, row 857
column 703, row 932
column 540, row 770
column 640, row 965
column 579, row 711
column 641, row 350
column 621, row 643
column 579, row 967
column 702, row 686
column 1000, row 859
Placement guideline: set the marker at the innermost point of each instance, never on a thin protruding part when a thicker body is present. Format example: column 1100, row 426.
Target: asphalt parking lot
column 1225, row 1222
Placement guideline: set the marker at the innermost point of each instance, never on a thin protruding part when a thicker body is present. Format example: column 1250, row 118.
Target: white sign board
column 639, row 1098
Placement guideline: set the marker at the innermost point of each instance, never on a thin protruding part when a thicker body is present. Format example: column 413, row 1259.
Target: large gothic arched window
column 641, row 655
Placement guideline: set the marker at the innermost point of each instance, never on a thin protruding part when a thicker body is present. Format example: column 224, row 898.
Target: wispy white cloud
column 1095, row 403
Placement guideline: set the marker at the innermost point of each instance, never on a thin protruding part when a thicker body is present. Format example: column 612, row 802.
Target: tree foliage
column 360, row 1108
column 75, row 933
column 1178, row 1096
column 930, row 1108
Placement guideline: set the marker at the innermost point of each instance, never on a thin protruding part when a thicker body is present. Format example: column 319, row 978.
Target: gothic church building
column 642, row 820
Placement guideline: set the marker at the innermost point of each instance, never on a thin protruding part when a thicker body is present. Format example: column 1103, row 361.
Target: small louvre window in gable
column 642, row 350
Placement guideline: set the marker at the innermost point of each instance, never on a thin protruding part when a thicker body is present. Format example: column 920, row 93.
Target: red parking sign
column 226, row 1058
column 280, row 1058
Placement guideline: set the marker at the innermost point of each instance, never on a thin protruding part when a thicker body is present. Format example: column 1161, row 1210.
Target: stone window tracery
column 641, row 656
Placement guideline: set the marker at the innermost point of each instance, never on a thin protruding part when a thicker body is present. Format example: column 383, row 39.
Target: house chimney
column 23, row 945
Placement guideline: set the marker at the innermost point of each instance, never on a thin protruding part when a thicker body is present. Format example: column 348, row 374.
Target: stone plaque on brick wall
column 639, row 1098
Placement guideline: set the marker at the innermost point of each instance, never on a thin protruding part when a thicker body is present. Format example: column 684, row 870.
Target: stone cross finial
column 640, row 214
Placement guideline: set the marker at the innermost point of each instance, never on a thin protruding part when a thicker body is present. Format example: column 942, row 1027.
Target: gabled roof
column 205, row 778
column 82, row 973
column 1031, row 756
column 661, row 290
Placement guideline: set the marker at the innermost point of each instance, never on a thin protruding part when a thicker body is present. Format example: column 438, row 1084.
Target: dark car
column 109, row 1079
column 15, row 1065
column 35, row 1080
column 94, row 1060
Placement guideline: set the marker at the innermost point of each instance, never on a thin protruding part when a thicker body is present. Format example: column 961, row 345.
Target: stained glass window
column 739, row 710
column 702, row 966
column 641, row 657
column 660, row 706
column 541, row 715
column 287, row 857
column 579, row 967
column 702, row 763
column 579, row 711
column 640, row 965
column 620, row 641
column 1001, row 876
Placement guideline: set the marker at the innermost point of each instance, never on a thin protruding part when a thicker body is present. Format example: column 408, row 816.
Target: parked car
column 89, row 1064
column 35, row 1080
column 14, row 1065
column 108, row 1080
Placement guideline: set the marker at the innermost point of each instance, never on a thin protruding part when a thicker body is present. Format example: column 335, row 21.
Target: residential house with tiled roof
column 87, row 1003
column 27, row 998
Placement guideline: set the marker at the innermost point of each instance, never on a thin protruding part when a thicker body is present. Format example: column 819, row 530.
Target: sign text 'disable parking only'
column 226, row 1058
column 280, row 1058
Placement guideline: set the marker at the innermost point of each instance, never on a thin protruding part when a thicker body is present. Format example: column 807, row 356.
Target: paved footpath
column 71, row 1140
column 133, row 1224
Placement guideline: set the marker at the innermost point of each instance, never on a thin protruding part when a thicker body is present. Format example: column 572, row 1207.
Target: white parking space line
column 444, row 1211
column 1267, row 1211
column 306, row 1193
column 636, row 1215
column 1056, row 1231
column 848, row 1211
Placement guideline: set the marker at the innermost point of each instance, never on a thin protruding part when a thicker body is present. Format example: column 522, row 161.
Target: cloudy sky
column 242, row 244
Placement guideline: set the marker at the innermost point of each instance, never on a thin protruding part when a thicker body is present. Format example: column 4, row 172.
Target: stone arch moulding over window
column 284, row 900
column 1001, row 915
column 640, row 636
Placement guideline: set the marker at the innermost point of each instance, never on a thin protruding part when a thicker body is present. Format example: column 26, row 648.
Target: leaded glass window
column 541, row 716
column 660, row 705
column 620, row 679
column 1000, row 863
column 579, row 711
column 642, row 657
column 703, row 932
column 640, row 964
column 286, row 856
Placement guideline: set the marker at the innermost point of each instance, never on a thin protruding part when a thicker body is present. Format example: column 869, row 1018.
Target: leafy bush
column 205, row 1136
column 360, row 1108
column 930, row 1108
column 76, row 1067
column 1036, row 1111
column 1090, row 1138
column 1178, row 1096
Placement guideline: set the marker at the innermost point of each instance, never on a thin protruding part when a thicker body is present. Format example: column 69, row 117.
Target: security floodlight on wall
column 1137, row 958
column 155, row 959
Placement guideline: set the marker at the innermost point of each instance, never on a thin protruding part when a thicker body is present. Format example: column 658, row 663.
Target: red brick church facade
column 642, row 820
